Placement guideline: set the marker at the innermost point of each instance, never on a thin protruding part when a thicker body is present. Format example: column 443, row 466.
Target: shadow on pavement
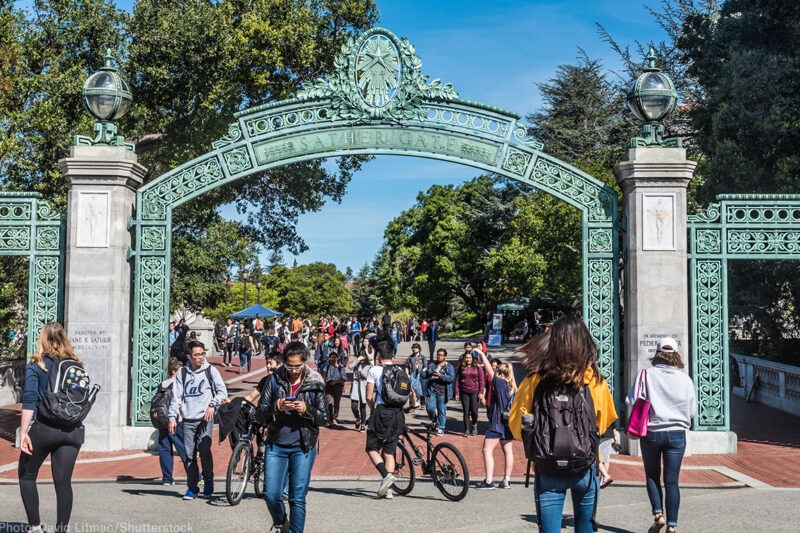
column 569, row 522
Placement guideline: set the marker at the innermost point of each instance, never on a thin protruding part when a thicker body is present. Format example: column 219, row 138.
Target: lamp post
column 258, row 286
column 245, row 275
column 651, row 98
column 107, row 97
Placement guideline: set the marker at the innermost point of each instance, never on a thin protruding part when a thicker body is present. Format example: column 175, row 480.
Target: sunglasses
column 293, row 367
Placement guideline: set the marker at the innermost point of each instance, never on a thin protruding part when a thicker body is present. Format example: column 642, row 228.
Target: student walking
column 432, row 334
column 167, row 442
column 672, row 407
column 468, row 386
column 360, row 367
column 246, row 349
column 387, row 420
column 197, row 392
column 293, row 408
column 39, row 438
column 335, row 376
column 503, row 389
column 415, row 364
column 440, row 376
column 562, row 367
column 230, row 333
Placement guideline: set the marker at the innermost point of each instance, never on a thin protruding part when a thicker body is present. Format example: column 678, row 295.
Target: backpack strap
column 184, row 371
column 210, row 382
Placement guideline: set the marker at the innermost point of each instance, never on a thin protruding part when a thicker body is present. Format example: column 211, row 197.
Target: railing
column 768, row 383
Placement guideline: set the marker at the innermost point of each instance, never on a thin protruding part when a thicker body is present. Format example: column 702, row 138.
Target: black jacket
column 312, row 392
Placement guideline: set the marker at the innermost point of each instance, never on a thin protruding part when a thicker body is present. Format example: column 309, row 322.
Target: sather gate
column 376, row 101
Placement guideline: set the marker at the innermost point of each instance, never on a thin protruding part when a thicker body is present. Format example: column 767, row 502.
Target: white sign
column 495, row 340
column 658, row 222
column 93, row 220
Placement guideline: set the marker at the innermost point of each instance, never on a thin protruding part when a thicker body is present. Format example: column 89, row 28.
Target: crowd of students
column 295, row 401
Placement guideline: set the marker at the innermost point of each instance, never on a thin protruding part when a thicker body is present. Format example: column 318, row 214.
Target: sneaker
column 505, row 484
column 386, row 484
column 475, row 431
column 485, row 486
column 208, row 489
column 467, row 433
column 363, row 429
column 167, row 483
column 439, row 432
column 389, row 495
column 189, row 495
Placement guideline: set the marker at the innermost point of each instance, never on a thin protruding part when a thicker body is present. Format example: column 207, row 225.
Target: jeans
column 670, row 445
column 280, row 461
column 437, row 405
column 551, row 491
column 197, row 438
column 166, row 442
column 245, row 356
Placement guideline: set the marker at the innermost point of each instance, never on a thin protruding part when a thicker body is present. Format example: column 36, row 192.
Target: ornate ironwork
column 30, row 227
column 376, row 101
column 601, row 316
column 738, row 227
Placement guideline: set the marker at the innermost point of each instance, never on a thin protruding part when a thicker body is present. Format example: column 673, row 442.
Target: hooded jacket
column 311, row 391
column 191, row 399
column 523, row 402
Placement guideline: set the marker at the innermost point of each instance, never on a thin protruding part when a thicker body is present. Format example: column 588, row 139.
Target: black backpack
column 159, row 407
column 395, row 386
column 68, row 396
column 562, row 437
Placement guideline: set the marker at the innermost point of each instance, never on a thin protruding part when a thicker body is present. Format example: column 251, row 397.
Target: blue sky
column 493, row 52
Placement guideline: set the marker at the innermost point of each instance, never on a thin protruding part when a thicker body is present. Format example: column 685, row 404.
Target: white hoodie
column 671, row 395
column 191, row 399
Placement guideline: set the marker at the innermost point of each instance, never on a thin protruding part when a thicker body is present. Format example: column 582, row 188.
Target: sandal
column 658, row 523
column 606, row 483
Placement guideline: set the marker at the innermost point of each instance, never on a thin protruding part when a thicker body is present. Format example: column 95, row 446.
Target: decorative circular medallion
column 378, row 70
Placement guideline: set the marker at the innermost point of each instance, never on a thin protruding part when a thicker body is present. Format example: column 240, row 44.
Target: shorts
column 506, row 435
column 384, row 428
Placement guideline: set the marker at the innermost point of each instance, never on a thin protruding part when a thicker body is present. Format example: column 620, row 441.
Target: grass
column 460, row 333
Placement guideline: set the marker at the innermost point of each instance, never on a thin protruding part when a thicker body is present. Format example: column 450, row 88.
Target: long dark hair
column 462, row 363
column 562, row 354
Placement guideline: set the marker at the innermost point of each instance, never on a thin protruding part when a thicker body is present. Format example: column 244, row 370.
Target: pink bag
column 640, row 414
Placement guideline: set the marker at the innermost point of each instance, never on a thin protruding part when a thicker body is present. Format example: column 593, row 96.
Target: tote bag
column 637, row 424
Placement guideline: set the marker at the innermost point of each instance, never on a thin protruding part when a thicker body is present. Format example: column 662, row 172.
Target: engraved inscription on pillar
column 93, row 220
column 658, row 222
column 91, row 341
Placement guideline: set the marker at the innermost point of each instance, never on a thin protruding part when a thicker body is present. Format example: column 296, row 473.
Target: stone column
column 654, row 182
column 102, row 195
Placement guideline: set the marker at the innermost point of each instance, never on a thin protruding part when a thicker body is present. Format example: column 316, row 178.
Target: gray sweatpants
column 197, row 438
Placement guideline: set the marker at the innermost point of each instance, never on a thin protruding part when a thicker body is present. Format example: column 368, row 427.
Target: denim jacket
column 447, row 377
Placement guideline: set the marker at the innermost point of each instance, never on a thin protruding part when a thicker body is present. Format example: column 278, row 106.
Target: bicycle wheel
column 238, row 472
column 403, row 472
column 258, row 476
column 449, row 471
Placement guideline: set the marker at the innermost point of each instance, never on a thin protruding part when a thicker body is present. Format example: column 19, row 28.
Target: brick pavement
column 769, row 449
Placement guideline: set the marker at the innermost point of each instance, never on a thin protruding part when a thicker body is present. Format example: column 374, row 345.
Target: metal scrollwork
column 711, row 214
column 516, row 161
column 600, row 241
column 600, row 317
column 709, row 240
column 238, row 160
column 556, row 178
column 154, row 238
column 234, row 134
column 167, row 193
column 48, row 238
column 709, row 325
column 763, row 242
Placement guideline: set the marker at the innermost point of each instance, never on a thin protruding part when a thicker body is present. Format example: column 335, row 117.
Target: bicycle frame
column 423, row 462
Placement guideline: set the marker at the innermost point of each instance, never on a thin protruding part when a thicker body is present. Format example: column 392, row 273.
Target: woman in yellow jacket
column 566, row 354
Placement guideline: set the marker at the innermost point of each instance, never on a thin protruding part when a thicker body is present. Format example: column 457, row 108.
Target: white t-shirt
column 375, row 376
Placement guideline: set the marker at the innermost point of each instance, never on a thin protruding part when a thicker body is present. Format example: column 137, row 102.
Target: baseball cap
column 667, row 345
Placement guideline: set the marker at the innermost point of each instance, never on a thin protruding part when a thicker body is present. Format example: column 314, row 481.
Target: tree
column 310, row 290
column 365, row 293
column 234, row 300
column 191, row 66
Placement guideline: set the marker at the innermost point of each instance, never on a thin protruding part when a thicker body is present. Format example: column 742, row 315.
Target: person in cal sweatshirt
column 197, row 392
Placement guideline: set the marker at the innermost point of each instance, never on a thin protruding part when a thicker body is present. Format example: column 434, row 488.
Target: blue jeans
column 298, row 464
column 437, row 406
column 670, row 445
column 551, row 491
column 166, row 442
column 245, row 356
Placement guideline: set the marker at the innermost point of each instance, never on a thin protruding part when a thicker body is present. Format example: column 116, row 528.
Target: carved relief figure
column 94, row 215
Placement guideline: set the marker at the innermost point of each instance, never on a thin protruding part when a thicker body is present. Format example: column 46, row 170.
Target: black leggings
column 63, row 447
column 359, row 410
column 469, row 403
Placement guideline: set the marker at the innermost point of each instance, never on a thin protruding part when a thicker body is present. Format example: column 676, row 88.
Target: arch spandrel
column 376, row 101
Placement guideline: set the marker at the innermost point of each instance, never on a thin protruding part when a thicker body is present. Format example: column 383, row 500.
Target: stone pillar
column 654, row 183
column 102, row 195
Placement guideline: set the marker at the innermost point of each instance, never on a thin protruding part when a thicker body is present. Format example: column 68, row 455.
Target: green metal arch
column 337, row 116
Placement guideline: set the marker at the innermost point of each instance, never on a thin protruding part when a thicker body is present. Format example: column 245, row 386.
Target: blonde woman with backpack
column 40, row 438
column 562, row 367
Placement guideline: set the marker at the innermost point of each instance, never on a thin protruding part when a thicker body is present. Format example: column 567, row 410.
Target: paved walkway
column 769, row 448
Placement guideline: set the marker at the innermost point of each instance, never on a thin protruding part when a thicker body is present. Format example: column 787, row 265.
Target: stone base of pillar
column 697, row 443
column 105, row 439
column 139, row 438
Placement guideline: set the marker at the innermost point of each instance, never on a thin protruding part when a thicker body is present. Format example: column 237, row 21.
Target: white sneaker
column 386, row 483
column 389, row 495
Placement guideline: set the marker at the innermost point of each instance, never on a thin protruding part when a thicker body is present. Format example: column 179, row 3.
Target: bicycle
column 443, row 462
column 242, row 464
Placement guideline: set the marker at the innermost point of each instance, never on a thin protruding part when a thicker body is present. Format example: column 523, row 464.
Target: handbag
column 640, row 414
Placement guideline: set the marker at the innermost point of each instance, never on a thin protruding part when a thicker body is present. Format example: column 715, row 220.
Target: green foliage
column 234, row 300
column 309, row 290
column 365, row 292
column 191, row 65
